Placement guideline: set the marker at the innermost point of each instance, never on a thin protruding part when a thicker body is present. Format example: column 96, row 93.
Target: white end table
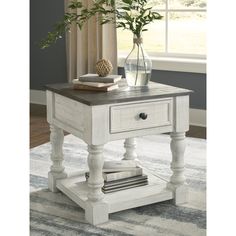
column 98, row 118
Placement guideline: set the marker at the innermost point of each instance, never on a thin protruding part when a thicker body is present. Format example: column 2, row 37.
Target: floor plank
column 39, row 128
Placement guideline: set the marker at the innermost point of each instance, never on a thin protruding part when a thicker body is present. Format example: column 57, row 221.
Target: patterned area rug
column 56, row 214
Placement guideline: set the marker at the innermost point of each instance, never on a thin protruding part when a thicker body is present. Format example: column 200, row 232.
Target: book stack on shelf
column 94, row 82
column 121, row 175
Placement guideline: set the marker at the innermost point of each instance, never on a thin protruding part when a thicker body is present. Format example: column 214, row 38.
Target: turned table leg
column 56, row 169
column 130, row 146
column 177, row 181
column 96, row 210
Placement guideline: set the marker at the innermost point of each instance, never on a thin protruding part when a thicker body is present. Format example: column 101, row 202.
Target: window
column 181, row 32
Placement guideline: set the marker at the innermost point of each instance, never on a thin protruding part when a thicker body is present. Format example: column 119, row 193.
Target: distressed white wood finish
column 96, row 211
column 85, row 122
column 66, row 110
column 141, row 132
column 95, row 164
column 56, row 169
column 50, row 104
column 177, row 181
column 181, row 113
column 99, row 124
column 130, row 145
column 126, row 117
column 54, row 116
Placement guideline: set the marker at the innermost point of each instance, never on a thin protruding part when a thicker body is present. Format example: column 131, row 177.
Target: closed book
column 123, row 174
column 91, row 88
column 124, row 187
column 120, row 175
column 119, row 164
column 127, row 181
column 93, row 84
column 118, row 169
column 96, row 78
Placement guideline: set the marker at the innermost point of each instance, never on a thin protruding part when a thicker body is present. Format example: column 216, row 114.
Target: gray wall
column 49, row 65
column 193, row 81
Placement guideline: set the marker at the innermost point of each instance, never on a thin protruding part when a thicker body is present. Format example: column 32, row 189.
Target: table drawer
column 136, row 116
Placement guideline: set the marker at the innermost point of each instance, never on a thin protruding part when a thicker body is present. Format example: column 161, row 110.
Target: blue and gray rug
column 55, row 214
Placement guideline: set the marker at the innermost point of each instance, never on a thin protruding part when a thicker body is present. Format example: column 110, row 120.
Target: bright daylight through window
column 180, row 33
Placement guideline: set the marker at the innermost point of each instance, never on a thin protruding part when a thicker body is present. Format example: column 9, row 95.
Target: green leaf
column 127, row 1
column 75, row 5
column 123, row 24
column 105, row 22
column 126, row 8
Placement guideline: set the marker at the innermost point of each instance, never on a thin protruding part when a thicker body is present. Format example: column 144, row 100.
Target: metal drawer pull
column 143, row 116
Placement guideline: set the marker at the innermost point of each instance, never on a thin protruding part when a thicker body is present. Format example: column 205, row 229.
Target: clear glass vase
column 138, row 65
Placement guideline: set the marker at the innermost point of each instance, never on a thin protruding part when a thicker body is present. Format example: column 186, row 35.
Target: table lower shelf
column 76, row 189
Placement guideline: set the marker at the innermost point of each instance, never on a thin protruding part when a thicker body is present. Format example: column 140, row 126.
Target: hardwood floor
column 39, row 128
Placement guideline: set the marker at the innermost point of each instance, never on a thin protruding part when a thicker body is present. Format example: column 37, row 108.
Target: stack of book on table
column 94, row 82
column 121, row 175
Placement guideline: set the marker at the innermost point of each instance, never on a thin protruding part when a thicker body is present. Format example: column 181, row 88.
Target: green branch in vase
column 132, row 15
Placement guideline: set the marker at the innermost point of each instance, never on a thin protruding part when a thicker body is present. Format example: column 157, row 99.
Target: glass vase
column 138, row 65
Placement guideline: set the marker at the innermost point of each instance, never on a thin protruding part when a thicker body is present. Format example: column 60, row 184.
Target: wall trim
column 197, row 116
column 174, row 64
column 38, row 97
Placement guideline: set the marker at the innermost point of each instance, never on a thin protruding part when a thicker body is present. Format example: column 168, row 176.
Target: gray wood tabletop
column 123, row 94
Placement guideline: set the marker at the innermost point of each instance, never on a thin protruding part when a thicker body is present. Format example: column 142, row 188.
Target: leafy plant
column 133, row 15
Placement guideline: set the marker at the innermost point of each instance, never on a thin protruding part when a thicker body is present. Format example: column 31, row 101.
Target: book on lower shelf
column 97, row 78
column 124, row 182
column 123, row 186
column 127, row 177
column 120, row 164
column 110, row 175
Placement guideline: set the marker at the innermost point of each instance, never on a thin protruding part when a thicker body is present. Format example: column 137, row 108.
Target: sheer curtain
column 85, row 47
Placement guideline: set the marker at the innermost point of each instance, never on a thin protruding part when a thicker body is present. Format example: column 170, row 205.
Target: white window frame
column 195, row 63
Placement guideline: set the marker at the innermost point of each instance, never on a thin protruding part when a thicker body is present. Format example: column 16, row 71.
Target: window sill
column 174, row 64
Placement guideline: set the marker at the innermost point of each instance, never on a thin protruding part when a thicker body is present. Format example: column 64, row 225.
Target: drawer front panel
column 127, row 117
column 69, row 112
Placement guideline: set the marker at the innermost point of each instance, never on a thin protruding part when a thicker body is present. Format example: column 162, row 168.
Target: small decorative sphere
column 103, row 67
